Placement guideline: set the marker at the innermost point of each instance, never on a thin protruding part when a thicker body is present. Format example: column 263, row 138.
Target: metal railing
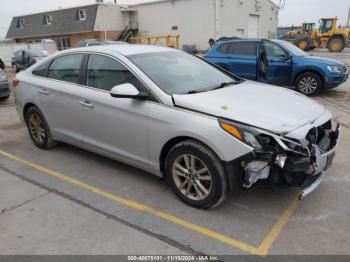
column 161, row 40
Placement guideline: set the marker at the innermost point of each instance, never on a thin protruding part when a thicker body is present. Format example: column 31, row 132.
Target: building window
column 80, row 15
column 20, row 23
column 47, row 20
column 63, row 43
column 175, row 27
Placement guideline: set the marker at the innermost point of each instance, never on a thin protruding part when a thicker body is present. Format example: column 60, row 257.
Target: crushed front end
column 296, row 159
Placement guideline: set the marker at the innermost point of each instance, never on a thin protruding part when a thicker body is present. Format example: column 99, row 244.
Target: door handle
column 86, row 104
column 42, row 91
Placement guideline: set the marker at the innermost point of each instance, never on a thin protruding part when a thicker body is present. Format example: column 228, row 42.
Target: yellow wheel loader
column 302, row 37
column 327, row 36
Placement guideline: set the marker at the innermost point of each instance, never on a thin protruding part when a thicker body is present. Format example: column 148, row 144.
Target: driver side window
column 274, row 51
column 104, row 73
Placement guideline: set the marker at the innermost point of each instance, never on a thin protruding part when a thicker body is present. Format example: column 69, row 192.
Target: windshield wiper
column 224, row 84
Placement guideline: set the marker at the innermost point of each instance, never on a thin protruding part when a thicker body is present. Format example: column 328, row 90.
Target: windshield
column 291, row 48
column 37, row 53
column 181, row 73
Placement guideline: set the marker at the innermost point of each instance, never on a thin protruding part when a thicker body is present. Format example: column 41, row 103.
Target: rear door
column 240, row 58
column 59, row 93
column 117, row 127
column 279, row 64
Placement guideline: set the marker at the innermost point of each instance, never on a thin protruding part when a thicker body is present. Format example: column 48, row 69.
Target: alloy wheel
column 36, row 128
column 192, row 177
column 307, row 85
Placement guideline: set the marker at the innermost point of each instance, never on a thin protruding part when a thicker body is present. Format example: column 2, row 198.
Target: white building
column 198, row 20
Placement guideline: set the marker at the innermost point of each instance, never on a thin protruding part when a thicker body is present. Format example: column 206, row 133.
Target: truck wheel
column 336, row 44
column 308, row 83
column 196, row 175
column 303, row 44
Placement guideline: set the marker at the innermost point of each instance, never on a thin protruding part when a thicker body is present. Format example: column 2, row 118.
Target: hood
column 323, row 60
column 272, row 108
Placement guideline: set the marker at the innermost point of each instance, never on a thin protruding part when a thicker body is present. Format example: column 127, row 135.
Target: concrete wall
column 196, row 19
column 234, row 17
column 110, row 18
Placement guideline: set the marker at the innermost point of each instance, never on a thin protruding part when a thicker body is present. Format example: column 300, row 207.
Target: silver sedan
column 177, row 116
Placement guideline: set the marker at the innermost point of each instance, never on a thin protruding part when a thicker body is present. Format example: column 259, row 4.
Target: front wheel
column 303, row 44
column 336, row 44
column 308, row 83
column 196, row 175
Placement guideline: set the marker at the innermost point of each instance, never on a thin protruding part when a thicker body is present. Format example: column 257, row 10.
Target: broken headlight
column 249, row 135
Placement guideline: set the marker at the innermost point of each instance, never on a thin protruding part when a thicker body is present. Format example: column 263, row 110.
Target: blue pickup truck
column 278, row 62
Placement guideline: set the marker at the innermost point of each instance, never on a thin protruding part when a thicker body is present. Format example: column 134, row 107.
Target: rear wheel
column 196, row 175
column 303, row 44
column 336, row 44
column 38, row 129
column 308, row 83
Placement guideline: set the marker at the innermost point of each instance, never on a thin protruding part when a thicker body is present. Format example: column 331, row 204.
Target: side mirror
column 128, row 90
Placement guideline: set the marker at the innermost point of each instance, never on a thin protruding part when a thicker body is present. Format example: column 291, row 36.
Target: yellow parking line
column 277, row 228
column 261, row 250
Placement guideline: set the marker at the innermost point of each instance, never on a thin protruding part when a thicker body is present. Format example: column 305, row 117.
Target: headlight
column 2, row 76
column 335, row 69
column 248, row 135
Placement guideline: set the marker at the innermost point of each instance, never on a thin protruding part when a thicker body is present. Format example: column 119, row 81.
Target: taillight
column 15, row 82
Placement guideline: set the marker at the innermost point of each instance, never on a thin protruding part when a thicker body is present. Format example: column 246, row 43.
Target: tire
column 303, row 44
column 336, row 44
column 4, row 98
column 15, row 68
column 208, row 173
column 38, row 129
column 308, row 83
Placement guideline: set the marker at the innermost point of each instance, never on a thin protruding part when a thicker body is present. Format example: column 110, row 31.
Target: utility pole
column 348, row 22
column 217, row 18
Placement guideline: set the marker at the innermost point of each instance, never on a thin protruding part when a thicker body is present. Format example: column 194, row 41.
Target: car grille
column 344, row 69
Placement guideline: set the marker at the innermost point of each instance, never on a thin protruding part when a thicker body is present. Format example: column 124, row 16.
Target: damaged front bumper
column 295, row 162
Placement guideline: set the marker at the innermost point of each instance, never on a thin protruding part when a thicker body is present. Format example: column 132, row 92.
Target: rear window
column 66, row 68
column 238, row 48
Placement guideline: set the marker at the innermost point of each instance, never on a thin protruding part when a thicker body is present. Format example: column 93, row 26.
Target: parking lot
column 67, row 200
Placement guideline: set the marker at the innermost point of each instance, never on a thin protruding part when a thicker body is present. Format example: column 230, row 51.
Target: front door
column 117, row 127
column 279, row 64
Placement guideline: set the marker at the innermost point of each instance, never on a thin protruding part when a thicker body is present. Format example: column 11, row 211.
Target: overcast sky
column 295, row 11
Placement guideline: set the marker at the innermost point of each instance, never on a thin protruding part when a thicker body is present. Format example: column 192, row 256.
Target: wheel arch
column 309, row 70
column 174, row 141
column 337, row 36
column 26, row 108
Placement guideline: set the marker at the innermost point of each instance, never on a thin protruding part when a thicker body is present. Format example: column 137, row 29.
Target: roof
column 63, row 22
column 161, row 1
column 125, row 50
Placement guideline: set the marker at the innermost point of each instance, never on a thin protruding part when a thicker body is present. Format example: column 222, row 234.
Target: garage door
column 253, row 26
